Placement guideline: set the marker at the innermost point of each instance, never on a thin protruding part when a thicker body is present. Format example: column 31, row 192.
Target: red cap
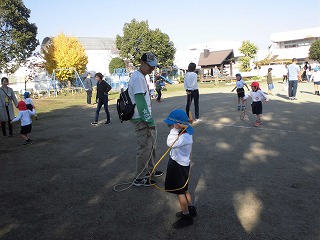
column 255, row 84
column 22, row 106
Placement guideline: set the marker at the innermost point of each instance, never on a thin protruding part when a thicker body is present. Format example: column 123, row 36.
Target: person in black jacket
column 102, row 98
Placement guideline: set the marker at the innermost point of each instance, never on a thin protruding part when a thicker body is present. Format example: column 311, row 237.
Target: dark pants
column 194, row 95
column 159, row 94
column 101, row 102
column 293, row 85
column 89, row 96
column 3, row 124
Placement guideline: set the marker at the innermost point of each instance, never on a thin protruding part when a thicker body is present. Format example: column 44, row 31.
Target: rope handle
column 162, row 157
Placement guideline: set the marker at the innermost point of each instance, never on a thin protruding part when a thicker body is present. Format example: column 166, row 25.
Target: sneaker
column 197, row 120
column 192, row 212
column 155, row 174
column 94, row 123
column 242, row 108
column 145, row 182
column 238, row 108
column 27, row 142
column 185, row 221
column 107, row 122
column 257, row 124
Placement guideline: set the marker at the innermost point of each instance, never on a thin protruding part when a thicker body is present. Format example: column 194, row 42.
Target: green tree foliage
column 116, row 63
column 314, row 51
column 138, row 38
column 17, row 35
column 249, row 50
column 65, row 52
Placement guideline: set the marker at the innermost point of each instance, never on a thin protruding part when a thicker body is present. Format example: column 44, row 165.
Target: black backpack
column 125, row 107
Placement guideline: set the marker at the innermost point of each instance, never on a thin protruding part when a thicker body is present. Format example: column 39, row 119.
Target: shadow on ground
column 247, row 183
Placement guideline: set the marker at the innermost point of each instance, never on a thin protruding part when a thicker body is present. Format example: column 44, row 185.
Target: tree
column 17, row 35
column 116, row 63
column 314, row 51
column 162, row 47
column 138, row 38
column 249, row 50
column 34, row 65
column 65, row 52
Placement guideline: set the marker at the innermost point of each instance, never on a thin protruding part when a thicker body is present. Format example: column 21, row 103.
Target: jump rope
column 154, row 135
column 115, row 188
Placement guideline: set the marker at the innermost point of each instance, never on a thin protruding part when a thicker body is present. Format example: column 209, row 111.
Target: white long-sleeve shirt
column 181, row 149
column 191, row 81
column 316, row 76
column 256, row 96
column 28, row 101
column 25, row 117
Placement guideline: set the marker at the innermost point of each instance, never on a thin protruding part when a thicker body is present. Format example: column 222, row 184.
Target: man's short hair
column 294, row 59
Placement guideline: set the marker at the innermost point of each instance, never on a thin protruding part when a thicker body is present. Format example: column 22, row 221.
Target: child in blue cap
column 29, row 103
column 240, row 83
column 178, row 168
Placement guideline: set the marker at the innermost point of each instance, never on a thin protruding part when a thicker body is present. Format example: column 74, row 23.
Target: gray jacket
column 3, row 110
column 88, row 84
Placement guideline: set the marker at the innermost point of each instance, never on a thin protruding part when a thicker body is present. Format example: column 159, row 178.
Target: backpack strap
column 6, row 94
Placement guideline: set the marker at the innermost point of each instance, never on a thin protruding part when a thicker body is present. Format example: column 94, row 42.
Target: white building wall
column 99, row 60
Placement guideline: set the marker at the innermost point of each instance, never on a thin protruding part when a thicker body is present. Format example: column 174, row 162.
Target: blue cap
column 26, row 94
column 179, row 116
column 150, row 59
column 316, row 69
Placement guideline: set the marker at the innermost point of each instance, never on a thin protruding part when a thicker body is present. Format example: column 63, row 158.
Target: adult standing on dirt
column 216, row 74
column 144, row 124
column 293, row 77
column 103, row 89
column 191, row 86
column 7, row 98
column 158, row 87
column 88, row 87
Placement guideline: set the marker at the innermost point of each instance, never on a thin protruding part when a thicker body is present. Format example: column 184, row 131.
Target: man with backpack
column 143, row 122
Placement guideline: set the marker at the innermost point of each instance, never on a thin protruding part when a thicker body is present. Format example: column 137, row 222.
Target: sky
column 186, row 22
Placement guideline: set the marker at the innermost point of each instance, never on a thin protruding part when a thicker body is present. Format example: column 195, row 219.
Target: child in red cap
column 257, row 96
column 26, row 122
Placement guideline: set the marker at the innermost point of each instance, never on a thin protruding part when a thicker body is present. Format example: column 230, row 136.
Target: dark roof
column 216, row 57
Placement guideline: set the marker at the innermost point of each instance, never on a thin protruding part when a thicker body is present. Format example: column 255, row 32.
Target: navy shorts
column 176, row 177
column 26, row 129
column 29, row 106
column 240, row 92
column 256, row 107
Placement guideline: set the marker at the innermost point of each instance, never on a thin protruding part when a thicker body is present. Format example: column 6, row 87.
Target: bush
column 116, row 63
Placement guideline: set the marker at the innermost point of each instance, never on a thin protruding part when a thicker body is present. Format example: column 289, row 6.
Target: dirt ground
column 246, row 182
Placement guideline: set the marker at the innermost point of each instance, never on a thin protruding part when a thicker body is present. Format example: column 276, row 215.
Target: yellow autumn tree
column 65, row 52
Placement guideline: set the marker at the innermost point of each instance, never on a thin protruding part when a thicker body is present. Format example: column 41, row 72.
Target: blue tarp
column 166, row 79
